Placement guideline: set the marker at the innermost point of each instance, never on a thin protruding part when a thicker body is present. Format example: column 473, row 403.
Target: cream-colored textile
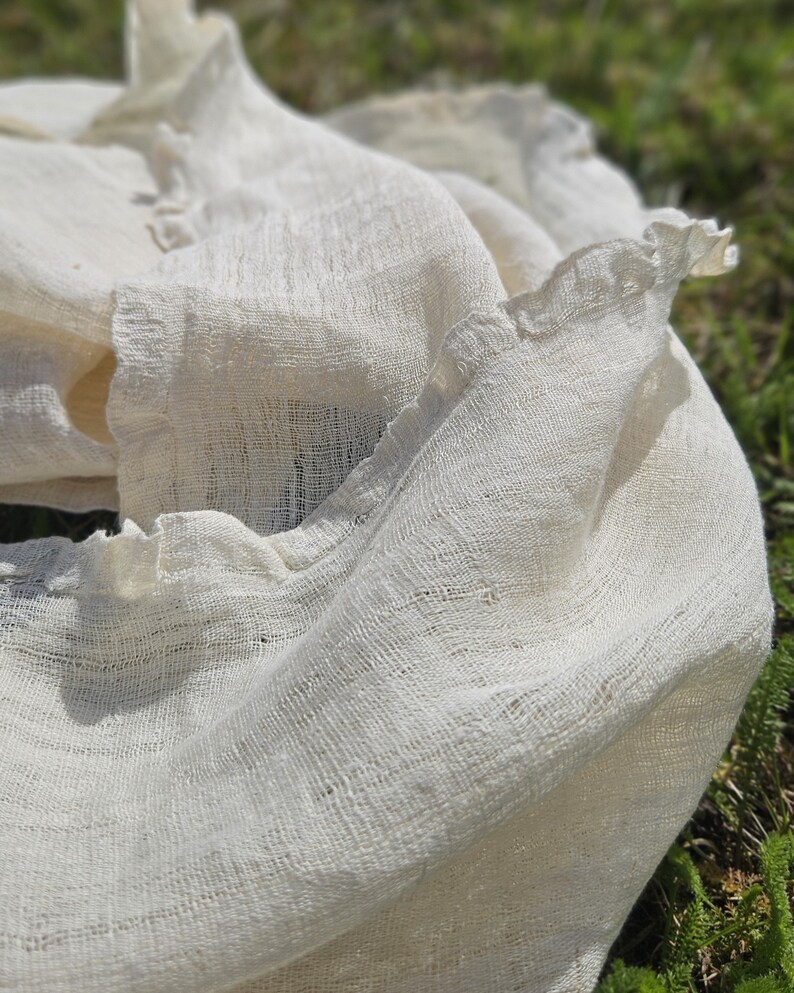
column 441, row 580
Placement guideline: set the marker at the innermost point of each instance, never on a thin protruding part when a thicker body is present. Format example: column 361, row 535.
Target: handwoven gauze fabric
column 440, row 582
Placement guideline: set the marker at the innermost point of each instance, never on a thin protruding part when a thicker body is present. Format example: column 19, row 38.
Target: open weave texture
column 441, row 579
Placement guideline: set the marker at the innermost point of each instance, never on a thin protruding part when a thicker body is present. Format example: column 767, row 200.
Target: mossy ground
column 695, row 99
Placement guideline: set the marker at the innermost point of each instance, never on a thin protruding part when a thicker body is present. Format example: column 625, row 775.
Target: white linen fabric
column 441, row 578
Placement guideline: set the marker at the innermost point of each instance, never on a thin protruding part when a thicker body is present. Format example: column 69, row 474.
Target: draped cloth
column 440, row 581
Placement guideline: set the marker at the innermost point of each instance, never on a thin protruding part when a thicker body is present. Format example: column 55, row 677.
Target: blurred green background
column 695, row 99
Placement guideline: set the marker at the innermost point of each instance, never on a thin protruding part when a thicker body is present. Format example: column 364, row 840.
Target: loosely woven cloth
column 441, row 578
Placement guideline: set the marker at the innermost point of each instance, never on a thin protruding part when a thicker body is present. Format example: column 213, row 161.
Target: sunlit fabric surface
column 441, row 580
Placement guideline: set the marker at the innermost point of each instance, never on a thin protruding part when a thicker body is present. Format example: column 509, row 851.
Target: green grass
column 694, row 99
